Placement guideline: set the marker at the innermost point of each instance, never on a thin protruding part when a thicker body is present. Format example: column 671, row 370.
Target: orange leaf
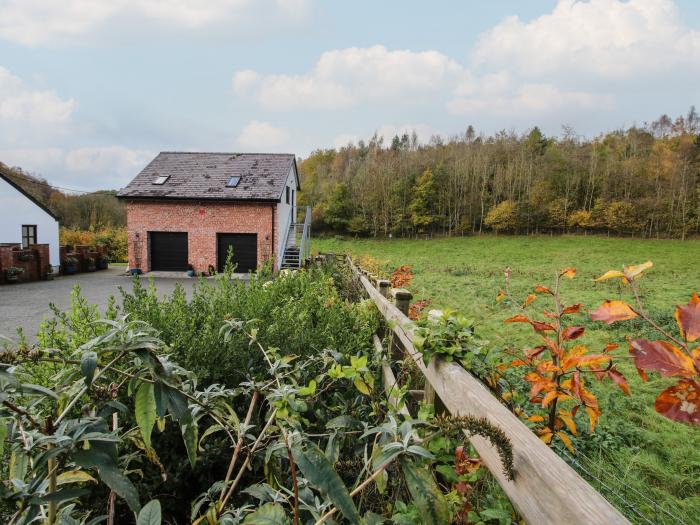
column 548, row 398
column 565, row 439
column 546, row 436
column 501, row 295
column 568, row 272
column 573, row 309
column 536, row 418
column 695, row 354
column 662, row 357
column 568, row 421
column 593, row 414
column 619, row 380
column 529, row 300
column 542, row 289
column 518, row 362
column 594, row 361
column 680, row 402
column 610, row 347
column 688, row 318
column 520, row 318
column 611, row 311
column 541, row 385
column 573, row 332
column 542, row 327
column 534, row 352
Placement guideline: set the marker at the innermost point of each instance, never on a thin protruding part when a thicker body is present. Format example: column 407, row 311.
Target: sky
column 92, row 90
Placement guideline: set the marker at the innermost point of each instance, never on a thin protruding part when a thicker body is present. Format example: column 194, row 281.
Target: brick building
column 189, row 208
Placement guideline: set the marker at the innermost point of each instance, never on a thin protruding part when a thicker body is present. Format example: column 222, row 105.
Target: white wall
column 15, row 210
column 284, row 210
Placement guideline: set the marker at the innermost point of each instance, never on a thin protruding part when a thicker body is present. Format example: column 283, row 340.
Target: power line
column 42, row 183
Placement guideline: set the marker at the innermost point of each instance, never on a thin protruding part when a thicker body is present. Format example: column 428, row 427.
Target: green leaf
column 3, row 434
column 308, row 390
column 63, row 495
column 189, row 435
column 74, row 476
column 88, row 364
column 38, row 389
column 150, row 514
column 425, row 494
column 18, row 465
column 177, row 403
column 268, row 514
column 145, row 411
column 109, row 474
column 362, row 386
column 318, row 471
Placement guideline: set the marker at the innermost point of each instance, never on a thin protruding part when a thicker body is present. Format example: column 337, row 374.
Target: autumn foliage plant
column 560, row 367
column 671, row 355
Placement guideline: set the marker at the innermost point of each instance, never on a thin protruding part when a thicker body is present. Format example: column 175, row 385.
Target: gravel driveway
column 27, row 304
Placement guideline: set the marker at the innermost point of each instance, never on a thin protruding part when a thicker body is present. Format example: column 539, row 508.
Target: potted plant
column 70, row 265
column 102, row 263
column 12, row 274
column 190, row 270
column 91, row 266
column 25, row 255
column 135, row 271
column 49, row 273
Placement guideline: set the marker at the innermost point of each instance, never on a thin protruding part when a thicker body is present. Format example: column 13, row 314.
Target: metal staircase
column 297, row 245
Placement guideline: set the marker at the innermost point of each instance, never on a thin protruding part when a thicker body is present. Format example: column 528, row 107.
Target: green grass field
column 640, row 455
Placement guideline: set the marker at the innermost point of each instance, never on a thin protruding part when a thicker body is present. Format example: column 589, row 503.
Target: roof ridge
column 225, row 153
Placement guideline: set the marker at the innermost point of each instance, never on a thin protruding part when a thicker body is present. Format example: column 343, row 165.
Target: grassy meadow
column 641, row 456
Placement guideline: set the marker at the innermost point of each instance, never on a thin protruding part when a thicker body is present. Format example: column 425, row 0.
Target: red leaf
column 573, row 309
column 619, row 380
column 680, row 402
column 688, row 318
column 573, row 332
column 611, row 311
column 542, row 289
column 662, row 357
column 542, row 327
column 534, row 352
column 520, row 318
column 610, row 347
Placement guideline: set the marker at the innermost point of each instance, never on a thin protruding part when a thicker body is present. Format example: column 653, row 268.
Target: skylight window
column 161, row 179
column 233, row 181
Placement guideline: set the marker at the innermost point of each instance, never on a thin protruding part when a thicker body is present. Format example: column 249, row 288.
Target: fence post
column 402, row 299
column 384, row 286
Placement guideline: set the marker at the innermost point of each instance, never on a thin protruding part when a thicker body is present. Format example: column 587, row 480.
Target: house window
column 161, row 179
column 233, row 181
column 286, row 188
column 292, row 203
column 28, row 235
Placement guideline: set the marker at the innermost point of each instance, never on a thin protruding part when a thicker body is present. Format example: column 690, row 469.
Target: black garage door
column 245, row 250
column 168, row 251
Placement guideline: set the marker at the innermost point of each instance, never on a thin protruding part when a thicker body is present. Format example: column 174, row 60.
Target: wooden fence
column 545, row 490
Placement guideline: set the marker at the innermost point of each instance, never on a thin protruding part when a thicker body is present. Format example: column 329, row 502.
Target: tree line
column 84, row 211
column 642, row 181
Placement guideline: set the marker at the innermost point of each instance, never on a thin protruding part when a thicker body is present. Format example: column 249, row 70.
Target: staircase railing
column 305, row 241
column 285, row 240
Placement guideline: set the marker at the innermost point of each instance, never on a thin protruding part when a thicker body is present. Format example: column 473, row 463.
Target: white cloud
column 343, row 78
column 529, row 99
column 263, row 137
column 40, row 22
column 609, row 38
column 27, row 113
column 100, row 167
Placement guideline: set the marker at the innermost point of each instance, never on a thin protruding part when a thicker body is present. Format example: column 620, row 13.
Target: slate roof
column 203, row 176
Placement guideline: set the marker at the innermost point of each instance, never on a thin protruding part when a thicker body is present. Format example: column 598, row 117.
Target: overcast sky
column 91, row 90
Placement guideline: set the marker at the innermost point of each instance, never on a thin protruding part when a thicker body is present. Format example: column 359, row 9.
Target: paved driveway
column 27, row 304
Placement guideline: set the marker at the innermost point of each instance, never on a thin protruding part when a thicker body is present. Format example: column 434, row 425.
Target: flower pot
column 190, row 273
column 12, row 278
column 103, row 264
column 69, row 269
column 135, row 271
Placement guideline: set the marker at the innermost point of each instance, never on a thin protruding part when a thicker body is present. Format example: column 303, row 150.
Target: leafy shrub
column 115, row 239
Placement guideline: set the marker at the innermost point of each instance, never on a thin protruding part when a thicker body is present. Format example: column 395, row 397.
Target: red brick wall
column 201, row 221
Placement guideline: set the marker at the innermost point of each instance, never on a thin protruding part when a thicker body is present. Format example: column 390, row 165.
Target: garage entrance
column 245, row 251
column 168, row 251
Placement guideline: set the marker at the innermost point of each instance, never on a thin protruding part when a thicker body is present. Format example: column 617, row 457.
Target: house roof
column 27, row 194
column 204, row 176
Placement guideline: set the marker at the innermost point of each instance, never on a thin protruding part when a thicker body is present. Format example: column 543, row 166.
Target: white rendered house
column 25, row 221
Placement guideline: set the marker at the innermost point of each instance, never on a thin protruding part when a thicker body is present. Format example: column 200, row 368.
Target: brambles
column 558, row 366
column 671, row 356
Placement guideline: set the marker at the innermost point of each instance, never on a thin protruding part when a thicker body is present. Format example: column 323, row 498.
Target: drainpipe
column 272, row 245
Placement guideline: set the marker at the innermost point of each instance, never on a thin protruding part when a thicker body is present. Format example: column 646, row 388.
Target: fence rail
column 546, row 490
